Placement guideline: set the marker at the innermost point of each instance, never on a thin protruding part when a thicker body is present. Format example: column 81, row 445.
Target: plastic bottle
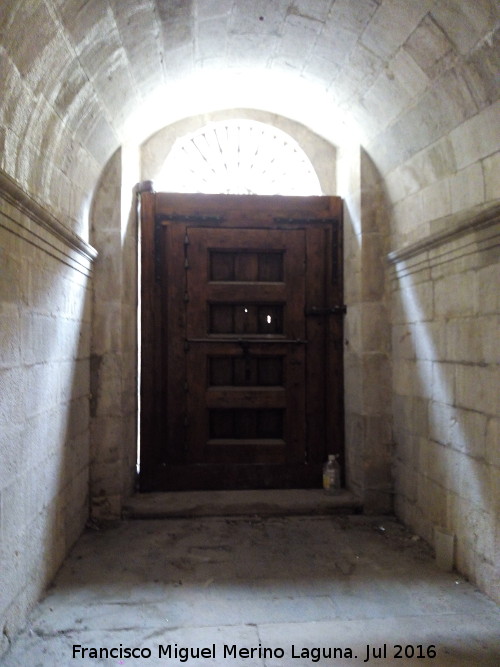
column 331, row 474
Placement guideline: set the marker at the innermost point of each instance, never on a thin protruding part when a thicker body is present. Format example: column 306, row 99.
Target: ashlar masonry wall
column 44, row 399
column 446, row 379
column 114, row 339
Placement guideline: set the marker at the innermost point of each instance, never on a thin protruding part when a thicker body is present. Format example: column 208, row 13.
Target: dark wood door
column 241, row 358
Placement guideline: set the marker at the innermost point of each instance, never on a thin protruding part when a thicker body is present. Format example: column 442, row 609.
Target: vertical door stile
column 150, row 333
column 174, row 309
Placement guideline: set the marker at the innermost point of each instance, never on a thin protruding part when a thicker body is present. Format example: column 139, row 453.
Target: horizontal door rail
column 250, row 341
column 320, row 312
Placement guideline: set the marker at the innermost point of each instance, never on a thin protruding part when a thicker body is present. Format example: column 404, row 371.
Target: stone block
column 402, row 182
column 13, row 390
column 392, row 24
column 74, row 379
column 428, row 45
column 412, row 378
column 42, row 384
column 84, row 338
column 389, row 95
column 210, row 8
column 107, row 434
column 75, row 457
column 477, row 137
column 10, row 335
column 443, row 383
column 375, row 328
column 12, row 453
column 106, row 330
column 377, row 383
column 466, row 429
column 405, row 483
column 442, row 418
column 437, row 200
column 78, row 417
column 488, row 294
column 479, row 527
column 373, row 252
column 106, row 507
column 491, row 174
column 44, row 435
column 415, row 301
column 474, row 484
column 454, row 295
column 404, row 377
column 105, row 479
column 409, row 73
column 39, row 333
column 432, row 499
column 14, row 517
column 106, row 385
column 492, row 455
column 406, row 217
column 487, row 577
column 45, row 289
column 419, row 416
column 467, row 188
column 13, row 580
column 477, row 388
column 431, row 462
column 465, row 339
column 353, row 394
column 400, row 411
column 444, row 547
column 464, row 24
column 490, row 351
column 428, row 341
column 402, row 345
column 11, row 275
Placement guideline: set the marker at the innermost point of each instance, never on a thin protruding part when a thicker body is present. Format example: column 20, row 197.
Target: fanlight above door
column 238, row 157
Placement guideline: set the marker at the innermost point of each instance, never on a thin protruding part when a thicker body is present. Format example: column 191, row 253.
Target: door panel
column 245, row 296
column 242, row 375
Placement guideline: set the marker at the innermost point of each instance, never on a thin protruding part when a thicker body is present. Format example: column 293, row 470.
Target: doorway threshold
column 275, row 502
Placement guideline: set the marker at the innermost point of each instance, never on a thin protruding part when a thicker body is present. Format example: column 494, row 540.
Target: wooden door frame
column 162, row 207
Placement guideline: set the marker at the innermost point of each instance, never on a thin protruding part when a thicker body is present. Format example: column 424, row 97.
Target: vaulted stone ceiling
column 80, row 77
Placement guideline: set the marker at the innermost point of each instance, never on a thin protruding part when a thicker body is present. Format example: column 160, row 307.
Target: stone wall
column 446, row 376
column 114, row 341
column 44, row 399
column 449, row 176
column 368, row 435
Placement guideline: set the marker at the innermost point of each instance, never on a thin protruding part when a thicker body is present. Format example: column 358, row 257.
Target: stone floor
column 291, row 586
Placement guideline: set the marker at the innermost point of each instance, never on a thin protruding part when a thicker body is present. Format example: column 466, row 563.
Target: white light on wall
column 238, row 157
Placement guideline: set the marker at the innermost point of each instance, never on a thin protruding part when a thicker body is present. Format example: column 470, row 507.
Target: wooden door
column 241, row 357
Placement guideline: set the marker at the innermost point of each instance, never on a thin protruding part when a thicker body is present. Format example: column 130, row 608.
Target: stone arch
column 344, row 170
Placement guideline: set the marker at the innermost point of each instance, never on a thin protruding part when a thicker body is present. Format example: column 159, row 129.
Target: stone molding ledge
column 48, row 233
column 450, row 228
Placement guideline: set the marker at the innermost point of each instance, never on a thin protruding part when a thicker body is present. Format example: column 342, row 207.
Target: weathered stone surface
column 420, row 79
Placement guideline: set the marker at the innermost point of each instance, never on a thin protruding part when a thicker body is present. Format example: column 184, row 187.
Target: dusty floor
column 292, row 586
